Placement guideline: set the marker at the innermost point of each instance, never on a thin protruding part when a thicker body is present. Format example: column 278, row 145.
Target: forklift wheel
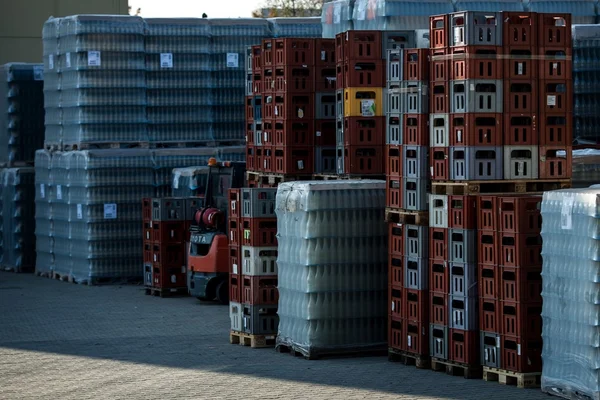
column 223, row 292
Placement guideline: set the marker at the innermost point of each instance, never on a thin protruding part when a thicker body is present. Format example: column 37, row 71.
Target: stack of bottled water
column 44, row 224
column 101, row 64
column 52, row 95
column 395, row 15
column 178, row 76
column 586, row 81
column 187, row 182
column 21, row 111
column 332, row 263
column 18, row 219
column 571, row 292
column 336, row 17
column 230, row 39
column 296, row 27
column 582, row 11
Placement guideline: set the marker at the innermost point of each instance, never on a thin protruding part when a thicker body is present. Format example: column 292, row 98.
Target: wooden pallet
column 45, row 274
column 105, row 145
column 52, row 147
column 266, row 179
column 62, row 277
column 316, row 354
column 521, row 380
column 418, row 360
column 400, row 216
column 570, row 394
column 254, row 341
column 335, row 177
column 192, row 144
column 456, row 369
column 498, row 187
column 172, row 292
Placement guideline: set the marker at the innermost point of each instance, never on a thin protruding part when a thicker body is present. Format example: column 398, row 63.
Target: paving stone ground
column 68, row 341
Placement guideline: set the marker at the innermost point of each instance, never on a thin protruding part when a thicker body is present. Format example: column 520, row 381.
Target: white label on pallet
column 51, row 61
column 566, row 212
column 554, row 65
column 431, row 169
column 110, row 211
column 234, row 268
column 367, row 108
column 166, row 60
column 59, row 192
column 393, row 306
column 43, row 191
column 233, row 60
column 79, row 211
column 38, row 73
column 300, row 113
column 233, row 204
column 245, row 323
column 275, row 110
column 173, row 278
column 472, row 87
column 551, row 100
column 94, row 59
column 457, row 34
column 323, row 55
column 266, row 136
column 409, row 341
column 300, row 164
column 459, row 136
column 520, row 68
column 519, row 349
column 68, row 60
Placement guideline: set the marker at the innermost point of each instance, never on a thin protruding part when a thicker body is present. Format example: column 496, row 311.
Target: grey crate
column 339, row 160
column 463, row 313
column 476, row 95
column 439, row 130
column 168, row 209
column 395, row 65
column 415, row 161
column 393, row 129
column 249, row 63
column 325, row 105
column 416, row 273
column 521, row 162
column 257, row 128
column 463, row 279
column 463, row 245
column 339, row 104
column 490, row 349
column 249, row 85
column 397, row 40
column 476, row 163
column 260, row 320
column 476, row 28
column 325, row 160
column 415, row 194
column 192, row 205
column 438, row 211
column 438, row 341
column 259, row 261
column 148, row 275
column 415, row 97
column 235, row 316
column 258, row 202
column 393, row 101
column 416, row 241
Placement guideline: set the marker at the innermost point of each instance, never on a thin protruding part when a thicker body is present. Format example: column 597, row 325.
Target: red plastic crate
column 361, row 74
column 294, row 79
column 556, row 97
column 361, row 131
column 476, row 62
column 520, row 214
column 520, row 130
column 489, row 315
column 438, row 31
column 258, row 84
column 169, row 277
column 393, row 192
column 325, row 133
column 521, row 250
column 235, row 288
column 249, row 108
column 396, row 271
column 476, row 129
column 416, row 305
column 440, row 168
column 260, row 290
column 361, row 45
column 417, row 337
column 250, row 158
column 257, row 58
column 394, row 162
column 416, row 65
column 556, row 162
column 439, row 101
column 396, row 302
column 439, row 277
column 489, row 282
column 235, row 262
column 487, row 217
column 250, row 133
column 463, row 212
column 325, row 78
column 325, row 52
column 397, row 333
column 268, row 53
column 489, row 247
column 364, row 160
column 438, row 312
column 521, row 355
column 293, row 132
column 396, row 237
column 258, row 232
column 521, row 320
column 520, row 96
column 167, row 255
column 464, row 347
column 294, row 51
column 521, row 63
column 165, row 232
column 298, row 160
column 438, row 246
column 519, row 29
column 416, row 129
column 267, row 160
column 259, row 158
column 521, row 285
column 556, row 130
column 289, row 106
column 439, row 66
column 147, row 209
column 234, row 203
column 268, row 82
column 556, row 64
column 554, row 30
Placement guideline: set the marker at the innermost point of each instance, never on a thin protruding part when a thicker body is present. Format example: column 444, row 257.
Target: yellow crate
column 363, row 102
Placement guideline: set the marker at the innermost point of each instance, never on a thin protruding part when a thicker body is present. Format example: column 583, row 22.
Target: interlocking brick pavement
column 68, row 341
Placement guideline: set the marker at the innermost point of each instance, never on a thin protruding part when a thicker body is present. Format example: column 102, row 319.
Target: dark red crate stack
column 165, row 229
column 510, row 282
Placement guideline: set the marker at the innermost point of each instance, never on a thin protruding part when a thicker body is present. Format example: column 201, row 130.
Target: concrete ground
column 68, row 341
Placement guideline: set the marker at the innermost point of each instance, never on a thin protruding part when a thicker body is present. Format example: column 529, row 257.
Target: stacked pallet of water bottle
column 253, row 266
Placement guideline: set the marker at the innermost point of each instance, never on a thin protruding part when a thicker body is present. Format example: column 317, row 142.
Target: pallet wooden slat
column 418, row 360
column 570, row 394
column 497, row 187
column 254, row 341
column 504, row 377
column 456, row 369
column 170, row 292
column 406, row 217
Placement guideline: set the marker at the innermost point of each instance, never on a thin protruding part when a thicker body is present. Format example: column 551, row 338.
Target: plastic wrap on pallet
column 18, row 219
column 586, row 74
column 570, row 292
column 332, row 247
column 189, row 181
column 479, row 5
column 336, row 17
column 586, row 167
column 21, row 111
column 44, row 230
column 296, row 27
column 582, row 11
column 393, row 15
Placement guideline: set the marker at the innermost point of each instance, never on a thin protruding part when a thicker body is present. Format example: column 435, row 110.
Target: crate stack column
column 253, row 104
column 235, row 261
column 325, row 106
column 360, row 79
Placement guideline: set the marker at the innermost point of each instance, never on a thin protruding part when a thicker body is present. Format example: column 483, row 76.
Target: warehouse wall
column 21, row 23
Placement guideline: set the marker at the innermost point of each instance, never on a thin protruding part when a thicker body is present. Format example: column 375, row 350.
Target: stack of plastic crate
column 360, row 78
column 325, row 118
column 509, row 264
column 164, row 244
column 253, row 262
column 44, row 225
